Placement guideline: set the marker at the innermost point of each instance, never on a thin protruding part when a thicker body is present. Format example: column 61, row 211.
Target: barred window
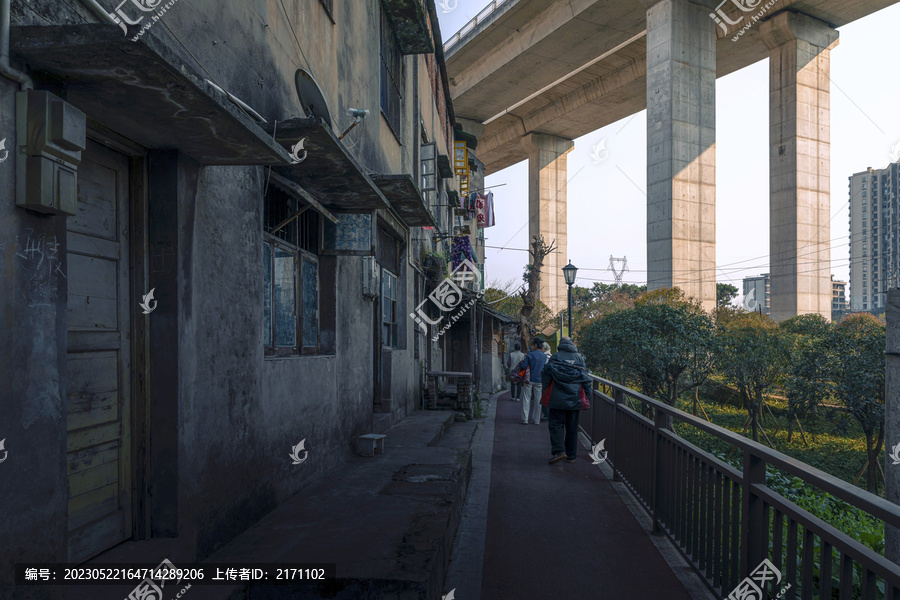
column 290, row 276
column 389, row 255
column 387, row 250
column 391, row 75
column 389, row 312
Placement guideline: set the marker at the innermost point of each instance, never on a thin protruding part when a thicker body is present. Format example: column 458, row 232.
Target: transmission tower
column 618, row 272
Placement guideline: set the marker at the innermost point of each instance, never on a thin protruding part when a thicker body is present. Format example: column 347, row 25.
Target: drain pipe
column 6, row 70
column 98, row 10
column 239, row 102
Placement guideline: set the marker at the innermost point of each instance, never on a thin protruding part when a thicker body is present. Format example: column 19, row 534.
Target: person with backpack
column 516, row 383
column 564, row 379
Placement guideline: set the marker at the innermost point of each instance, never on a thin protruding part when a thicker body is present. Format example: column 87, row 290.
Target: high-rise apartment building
column 874, row 241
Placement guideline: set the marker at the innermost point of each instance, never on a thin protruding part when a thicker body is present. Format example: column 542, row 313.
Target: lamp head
column 569, row 271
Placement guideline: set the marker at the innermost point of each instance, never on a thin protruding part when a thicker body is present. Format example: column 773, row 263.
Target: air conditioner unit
column 370, row 282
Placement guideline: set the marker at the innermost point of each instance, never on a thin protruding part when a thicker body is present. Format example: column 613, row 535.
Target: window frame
column 392, row 325
column 391, row 76
column 299, row 256
column 303, row 244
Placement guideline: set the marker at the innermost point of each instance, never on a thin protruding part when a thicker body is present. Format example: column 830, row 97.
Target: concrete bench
column 371, row 444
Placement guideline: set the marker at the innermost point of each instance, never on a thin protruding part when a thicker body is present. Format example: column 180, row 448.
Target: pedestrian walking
column 515, row 382
column 545, row 412
column 565, row 377
column 545, row 347
column 531, row 402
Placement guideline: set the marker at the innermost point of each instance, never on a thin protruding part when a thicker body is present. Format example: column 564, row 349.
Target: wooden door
column 98, row 360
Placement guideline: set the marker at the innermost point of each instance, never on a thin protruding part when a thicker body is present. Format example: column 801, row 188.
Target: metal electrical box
column 371, row 286
column 50, row 135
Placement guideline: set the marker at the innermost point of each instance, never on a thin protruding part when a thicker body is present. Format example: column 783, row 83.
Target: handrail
column 875, row 505
column 725, row 521
column 470, row 26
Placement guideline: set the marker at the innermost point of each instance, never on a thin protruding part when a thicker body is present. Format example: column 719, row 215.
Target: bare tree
column 538, row 251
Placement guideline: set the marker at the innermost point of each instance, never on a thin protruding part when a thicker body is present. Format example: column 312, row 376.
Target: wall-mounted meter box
column 371, row 286
column 50, row 135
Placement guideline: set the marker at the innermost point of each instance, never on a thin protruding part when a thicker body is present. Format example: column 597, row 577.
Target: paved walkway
column 562, row 531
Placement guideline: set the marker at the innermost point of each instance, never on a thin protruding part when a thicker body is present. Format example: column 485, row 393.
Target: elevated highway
column 529, row 76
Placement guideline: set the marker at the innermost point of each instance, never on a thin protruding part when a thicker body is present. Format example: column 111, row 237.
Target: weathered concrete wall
column 33, row 495
column 237, row 413
column 241, row 412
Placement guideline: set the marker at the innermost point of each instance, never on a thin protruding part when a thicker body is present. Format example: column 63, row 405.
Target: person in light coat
column 534, row 362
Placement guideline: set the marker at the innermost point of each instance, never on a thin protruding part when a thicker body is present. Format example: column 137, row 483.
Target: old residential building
column 209, row 252
column 839, row 299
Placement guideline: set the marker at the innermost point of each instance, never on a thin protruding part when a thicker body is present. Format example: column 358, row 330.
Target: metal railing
column 725, row 522
column 484, row 14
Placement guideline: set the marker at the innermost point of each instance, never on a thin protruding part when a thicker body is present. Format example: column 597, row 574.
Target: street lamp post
column 569, row 272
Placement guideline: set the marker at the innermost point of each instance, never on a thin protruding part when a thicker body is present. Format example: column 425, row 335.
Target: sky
column 607, row 206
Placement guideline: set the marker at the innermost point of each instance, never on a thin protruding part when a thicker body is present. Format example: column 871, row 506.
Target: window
column 429, row 177
column 391, row 75
column 290, row 276
column 388, row 254
column 389, row 337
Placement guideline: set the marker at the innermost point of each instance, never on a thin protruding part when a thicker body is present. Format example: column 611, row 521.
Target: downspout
column 6, row 69
column 246, row 107
column 99, row 12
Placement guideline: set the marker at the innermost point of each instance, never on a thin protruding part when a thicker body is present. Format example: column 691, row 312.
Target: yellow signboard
column 461, row 166
column 460, row 158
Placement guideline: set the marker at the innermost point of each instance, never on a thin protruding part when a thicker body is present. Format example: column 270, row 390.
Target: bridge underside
column 565, row 69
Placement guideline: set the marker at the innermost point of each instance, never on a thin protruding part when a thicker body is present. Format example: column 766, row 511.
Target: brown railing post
column 619, row 397
column 754, row 531
column 656, row 497
column 592, row 414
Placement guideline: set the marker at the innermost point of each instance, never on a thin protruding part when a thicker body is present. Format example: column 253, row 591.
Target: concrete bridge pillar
column 681, row 149
column 799, row 163
column 547, row 216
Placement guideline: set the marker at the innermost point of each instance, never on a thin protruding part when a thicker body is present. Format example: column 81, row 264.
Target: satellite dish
column 311, row 98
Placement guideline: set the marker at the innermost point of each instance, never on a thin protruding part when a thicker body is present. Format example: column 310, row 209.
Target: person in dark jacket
column 531, row 402
column 568, row 374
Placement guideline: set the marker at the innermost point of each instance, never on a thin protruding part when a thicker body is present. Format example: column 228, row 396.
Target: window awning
column 401, row 190
column 328, row 171
column 299, row 193
column 150, row 91
column 410, row 22
column 445, row 169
